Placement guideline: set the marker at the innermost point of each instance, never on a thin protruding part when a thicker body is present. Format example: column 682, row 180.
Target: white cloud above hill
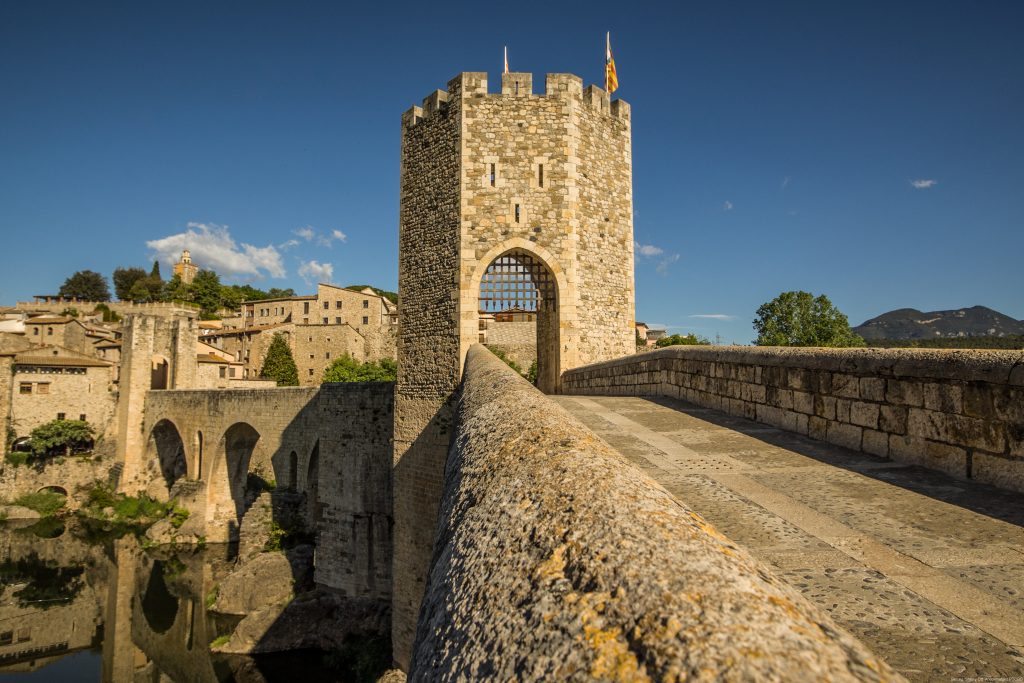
column 213, row 247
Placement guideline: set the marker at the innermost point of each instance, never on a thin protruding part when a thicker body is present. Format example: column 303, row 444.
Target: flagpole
column 607, row 51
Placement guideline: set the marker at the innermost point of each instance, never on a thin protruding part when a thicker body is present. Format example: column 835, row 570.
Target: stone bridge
column 558, row 556
column 865, row 492
column 325, row 450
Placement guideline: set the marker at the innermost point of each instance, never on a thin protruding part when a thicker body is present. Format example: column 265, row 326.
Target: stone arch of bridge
column 240, row 471
column 312, row 488
column 166, row 450
column 519, row 273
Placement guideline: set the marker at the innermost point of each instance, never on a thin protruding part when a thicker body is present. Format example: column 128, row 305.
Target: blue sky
column 776, row 145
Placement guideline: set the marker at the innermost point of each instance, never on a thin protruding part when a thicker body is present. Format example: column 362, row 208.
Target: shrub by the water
column 46, row 503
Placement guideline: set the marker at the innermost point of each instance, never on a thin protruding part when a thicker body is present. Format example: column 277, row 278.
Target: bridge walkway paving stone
column 925, row 569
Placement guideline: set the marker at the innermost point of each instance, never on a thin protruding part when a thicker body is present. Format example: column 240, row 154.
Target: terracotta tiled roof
column 60, row 361
column 210, row 358
column 50, row 320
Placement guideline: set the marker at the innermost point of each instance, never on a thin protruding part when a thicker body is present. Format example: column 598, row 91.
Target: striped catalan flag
column 611, row 80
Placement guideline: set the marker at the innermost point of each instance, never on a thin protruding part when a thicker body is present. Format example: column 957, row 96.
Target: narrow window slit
column 492, row 175
column 540, row 175
column 517, row 213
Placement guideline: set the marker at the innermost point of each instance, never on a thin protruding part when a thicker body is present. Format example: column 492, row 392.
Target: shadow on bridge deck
column 926, row 569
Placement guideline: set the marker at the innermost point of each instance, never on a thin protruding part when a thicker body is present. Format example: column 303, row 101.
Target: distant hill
column 909, row 323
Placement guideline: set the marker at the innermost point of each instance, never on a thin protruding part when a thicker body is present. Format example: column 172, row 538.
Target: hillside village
column 60, row 358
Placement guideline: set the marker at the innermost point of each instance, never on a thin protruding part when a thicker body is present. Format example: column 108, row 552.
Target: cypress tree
column 279, row 365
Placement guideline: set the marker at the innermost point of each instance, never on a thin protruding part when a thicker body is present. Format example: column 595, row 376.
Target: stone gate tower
column 511, row 199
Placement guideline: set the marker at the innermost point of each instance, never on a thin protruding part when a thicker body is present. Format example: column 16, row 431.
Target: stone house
column 319, row 328
column 67, row 332
column 51, row 382
column 216, row 369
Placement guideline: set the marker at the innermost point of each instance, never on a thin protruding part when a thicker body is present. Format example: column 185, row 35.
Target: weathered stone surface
column 327, row 449
column 922, row 567
column 555, row 561
column 266, row 580
column 946, row 403
column 164, row 532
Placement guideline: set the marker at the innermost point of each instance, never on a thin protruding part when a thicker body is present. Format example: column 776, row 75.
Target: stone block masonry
column 331, row 443
column 558, row 561
column 544, row 180
column 961, row 412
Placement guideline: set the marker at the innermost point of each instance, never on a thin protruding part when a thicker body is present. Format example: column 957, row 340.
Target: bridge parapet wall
column 556, row 559
column 961, row 412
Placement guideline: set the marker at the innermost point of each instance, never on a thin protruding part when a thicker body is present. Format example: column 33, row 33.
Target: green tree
column 276, row 293
column 279, row 364
column 124, row 279
column 154, row 272
column 147, row 290
column 802, row 319
column 57, row 436
column 87, row 285
column 682, row 340
column 348, row 369
column 176, row 290
column 205, row 290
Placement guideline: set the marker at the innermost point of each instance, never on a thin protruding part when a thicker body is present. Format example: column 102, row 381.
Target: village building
column 318, row 328
column 55, row 383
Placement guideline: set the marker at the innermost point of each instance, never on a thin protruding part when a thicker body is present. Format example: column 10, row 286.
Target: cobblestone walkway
column 926, row 570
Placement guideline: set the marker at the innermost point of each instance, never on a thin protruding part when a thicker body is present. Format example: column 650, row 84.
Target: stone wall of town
column 76, row 475
column 558, row 560
column 961, row 412
column 120, row 307
column 517, row 340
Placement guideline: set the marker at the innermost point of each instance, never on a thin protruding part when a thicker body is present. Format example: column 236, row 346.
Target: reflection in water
column 78, row 607
column 158, row 605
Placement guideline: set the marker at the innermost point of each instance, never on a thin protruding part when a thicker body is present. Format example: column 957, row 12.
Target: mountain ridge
column 910, row 323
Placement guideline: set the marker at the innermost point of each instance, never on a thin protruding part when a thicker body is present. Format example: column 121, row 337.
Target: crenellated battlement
column 474, row 84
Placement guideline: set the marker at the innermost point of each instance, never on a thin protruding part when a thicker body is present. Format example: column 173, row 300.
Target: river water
column 78, row 604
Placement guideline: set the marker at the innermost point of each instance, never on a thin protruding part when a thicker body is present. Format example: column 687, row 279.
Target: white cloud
column 727, row 206
column 714, row 316
column 311, row 234
column 647, row 249
column 288, row 245
column 924, row 184
column 313, row 272
column 785, row 182
column 665, row 264
column 213, row 247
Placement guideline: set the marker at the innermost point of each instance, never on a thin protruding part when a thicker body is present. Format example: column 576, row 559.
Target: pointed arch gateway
column 519, row 282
